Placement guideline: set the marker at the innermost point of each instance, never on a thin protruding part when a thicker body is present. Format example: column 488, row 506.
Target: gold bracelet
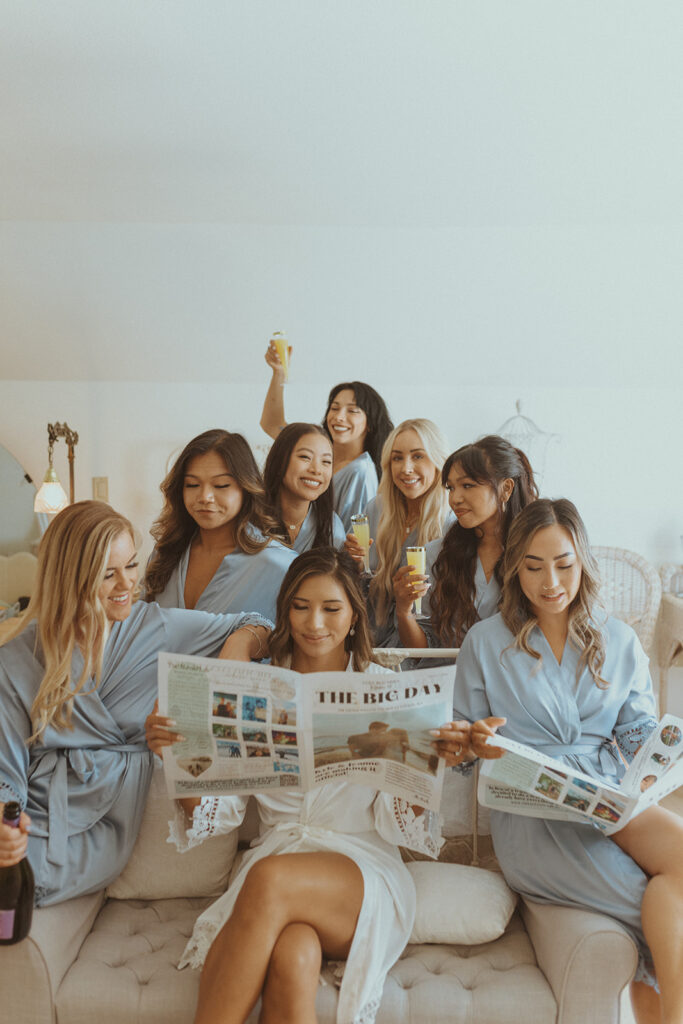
column 253, row 632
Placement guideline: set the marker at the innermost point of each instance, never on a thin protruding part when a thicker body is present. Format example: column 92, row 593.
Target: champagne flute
column 417, row 558
column 361, row 531
column 282, row 346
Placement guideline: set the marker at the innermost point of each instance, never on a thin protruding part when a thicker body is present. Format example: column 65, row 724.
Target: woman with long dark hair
column 298, row 487
column 216, row 547
column 488, row 483
column 358, row 423
column 325, row 878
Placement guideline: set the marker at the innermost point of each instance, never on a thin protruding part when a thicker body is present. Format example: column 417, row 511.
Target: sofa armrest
column 32, row 971
column 586, row 957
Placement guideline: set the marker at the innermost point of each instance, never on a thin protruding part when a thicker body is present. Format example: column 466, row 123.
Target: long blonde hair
column 391, row 532
column 72, row 561
column 515, row 609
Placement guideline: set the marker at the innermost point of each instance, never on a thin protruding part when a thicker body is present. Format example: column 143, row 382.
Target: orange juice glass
column 282, row 346
column 417, row 558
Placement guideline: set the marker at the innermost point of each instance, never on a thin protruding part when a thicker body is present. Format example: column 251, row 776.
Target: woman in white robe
column 298, row 481
column 553, row 673
column 78, row 677
column 325, row 878
column 216, row 547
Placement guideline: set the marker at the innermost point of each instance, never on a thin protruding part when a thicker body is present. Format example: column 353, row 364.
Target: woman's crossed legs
column 293, row 909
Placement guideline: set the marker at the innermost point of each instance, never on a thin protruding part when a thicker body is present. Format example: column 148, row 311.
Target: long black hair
column 379, row 421
column 488, row 461
column 274, row 472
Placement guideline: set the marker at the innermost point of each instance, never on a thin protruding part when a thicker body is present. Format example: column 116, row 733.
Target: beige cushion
column 127, row 969
column 156, row 871
column 459, row 904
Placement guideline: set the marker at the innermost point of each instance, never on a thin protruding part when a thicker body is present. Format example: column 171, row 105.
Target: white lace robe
column 346, row 818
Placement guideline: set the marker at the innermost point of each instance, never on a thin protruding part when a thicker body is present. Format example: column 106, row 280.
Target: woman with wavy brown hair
column 78, row 675
column 555, row 672
column 488, row 483
column 216, row 547
column 325, row 878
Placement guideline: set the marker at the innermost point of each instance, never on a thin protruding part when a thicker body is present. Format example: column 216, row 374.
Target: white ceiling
column 385, row 112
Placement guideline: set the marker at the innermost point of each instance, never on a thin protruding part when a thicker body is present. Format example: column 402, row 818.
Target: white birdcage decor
column 523, row 433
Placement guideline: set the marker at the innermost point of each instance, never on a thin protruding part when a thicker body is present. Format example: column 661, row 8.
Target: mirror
column 19, row 527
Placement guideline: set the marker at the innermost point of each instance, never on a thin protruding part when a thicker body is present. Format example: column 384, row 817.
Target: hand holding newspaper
column 251, row 728
column 526, row 782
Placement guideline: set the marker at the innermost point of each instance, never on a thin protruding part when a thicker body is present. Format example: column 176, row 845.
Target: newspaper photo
column 251, row 728
column 524, row 781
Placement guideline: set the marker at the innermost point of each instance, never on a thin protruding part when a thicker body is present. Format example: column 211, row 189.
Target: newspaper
column 524, row 781
column 252, row 728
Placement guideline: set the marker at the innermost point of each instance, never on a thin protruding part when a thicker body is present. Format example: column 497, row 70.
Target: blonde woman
column 411, row 508
column 77, row 679
column 574, row 684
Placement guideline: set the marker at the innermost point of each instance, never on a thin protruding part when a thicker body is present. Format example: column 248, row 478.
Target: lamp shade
column 51, row 497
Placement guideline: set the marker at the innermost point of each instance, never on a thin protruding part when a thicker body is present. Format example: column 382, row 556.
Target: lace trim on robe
column 632, row 736
column 206, row 822
column 421, row 833
column 202, row 938
column 333, row 973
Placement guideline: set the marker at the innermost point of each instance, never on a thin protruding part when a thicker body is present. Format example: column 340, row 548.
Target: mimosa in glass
column 282, row 346
column 417, row 558
column 361, row 531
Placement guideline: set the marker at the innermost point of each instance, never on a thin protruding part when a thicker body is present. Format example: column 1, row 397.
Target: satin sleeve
column 470, row 699
column 204, row 633
column 637, row 717
column 14, row 752
column 213, row 816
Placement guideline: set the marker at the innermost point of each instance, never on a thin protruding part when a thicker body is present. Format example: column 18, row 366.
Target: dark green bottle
column 16, row 890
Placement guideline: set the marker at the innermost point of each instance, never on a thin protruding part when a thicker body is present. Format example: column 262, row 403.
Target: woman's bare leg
column 655, row 841
column 645, row 1003
column 292, row 979
column 322, row 890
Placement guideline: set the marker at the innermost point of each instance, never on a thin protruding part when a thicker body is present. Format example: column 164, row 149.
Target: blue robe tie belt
column 83, row 764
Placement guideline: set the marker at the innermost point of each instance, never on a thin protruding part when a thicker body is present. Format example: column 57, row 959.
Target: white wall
column 603, row 459
column 451, row 324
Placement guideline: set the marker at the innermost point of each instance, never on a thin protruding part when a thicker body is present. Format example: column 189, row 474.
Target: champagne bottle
column 16, row 890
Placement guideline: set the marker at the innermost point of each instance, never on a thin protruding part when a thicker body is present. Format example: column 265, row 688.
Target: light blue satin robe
column 85, row 788
column 486, row 598
column 306, row 535
column 561, row 711
column 354, row 486
column 241, row 583
column 386, row 634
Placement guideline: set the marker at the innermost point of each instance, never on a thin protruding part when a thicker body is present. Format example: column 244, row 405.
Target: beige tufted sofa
column 109, row 959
